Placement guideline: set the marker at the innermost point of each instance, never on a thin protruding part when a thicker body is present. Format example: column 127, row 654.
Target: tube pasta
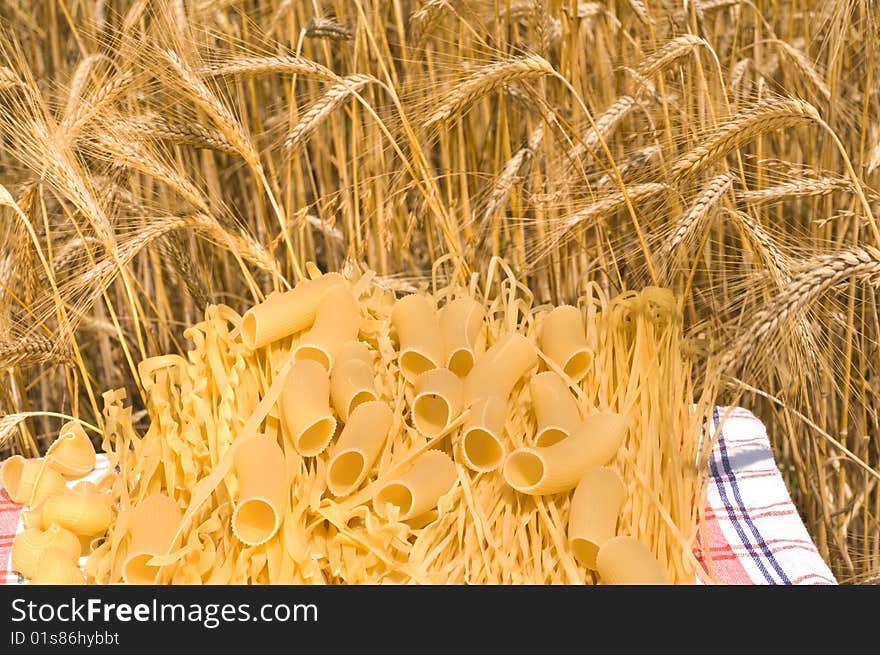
column 82, row 511
column 32, row 543
column 264, row 488
column 358, row 446
column 337, row 321
column 595, row 508
column 56, row 567
column 29, row 481
column 418, row 490
column 626, row 561
column 481, row 447
column 305, row 408
column 564, row 340
column 351, row 380
column 72, row 453
column 284, row 314
column 153, row 525
column 555, row 408
column 501, row 367
column 421, row 341
column 557, row 468
column 439, row 398
column 461, row 322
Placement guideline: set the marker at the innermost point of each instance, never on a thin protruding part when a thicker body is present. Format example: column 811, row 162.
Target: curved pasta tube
column 83, row 512
column 439, row 398
column 29, row 481
column 555, row 408
column 461, row 322
column 595, row 508
column 351, row 380
column 305, row 408
column 283, row 314
column 31, row 543
column 153, row 526
column 72, row 453
column 56, row 567
column 418, row 490
column 500, row 368
column 358, row 446
column 337, row 321
column 263, row 489
column 421, row 342
column 557, row 468
column 564, row 341
column 625, row 561
column 481, row 447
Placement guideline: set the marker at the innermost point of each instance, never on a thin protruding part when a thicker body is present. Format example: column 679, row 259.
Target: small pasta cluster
column 335, row 433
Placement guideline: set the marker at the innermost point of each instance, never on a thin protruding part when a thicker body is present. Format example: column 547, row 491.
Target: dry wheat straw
column 693, row 218
column 333, row 98
column 671, row 51
column 251, row 66
column 326, row 28
column 807, row 187
column 155, row 126
column 806, row 68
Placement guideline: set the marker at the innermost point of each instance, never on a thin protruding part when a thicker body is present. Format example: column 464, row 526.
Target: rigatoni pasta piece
column 82, row 511
column 153, row 525
column 31, row 543
column 56, row 567
column 72, row 453
column 351, row 380
column 461, row 322
column 284, row 314
column 418, row 332
column 358, row 446
column 438, row 399
column 557, row 468
column 501, row 367
column 595, row 508
column 564, row 340
column 337, row 322
column 555, row 408
column 627, row 561
column 481, row 446
column 29, row 481
column 418, row 490
column 263, row 489
column 305, row 408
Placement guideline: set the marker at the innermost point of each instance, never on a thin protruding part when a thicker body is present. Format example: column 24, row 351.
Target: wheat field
column 157, row 156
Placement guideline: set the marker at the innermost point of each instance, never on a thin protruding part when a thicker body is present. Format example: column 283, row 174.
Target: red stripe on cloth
column 726, row 564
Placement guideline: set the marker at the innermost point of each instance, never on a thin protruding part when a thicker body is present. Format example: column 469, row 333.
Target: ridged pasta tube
column 626, row 561
column 153, row 525
column 56, row 567
column 284, row 314
column 351, row 380
column 418, row 490
column 358, row 446
column 481, row 447
column 31, row 543
column 72, row 453
column 500, row 368
column 461, row 322
column 595, row 508
column 564, row 341
column 82, row 511
column 438, row 400
column 263, row 489
column 418, row 332
column 557, row 468
column 337, row 321
column 29, row 481
column 305, row 408
column 555, row 408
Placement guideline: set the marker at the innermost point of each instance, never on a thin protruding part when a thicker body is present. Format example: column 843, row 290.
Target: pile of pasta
column 343, row 433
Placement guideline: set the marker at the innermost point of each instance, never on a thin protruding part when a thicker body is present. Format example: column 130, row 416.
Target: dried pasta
column 564, row 341
column 337, row 321
column 30, row 481
column 419, row 489
column 439, row 398
column 72, row 454
column 153, row 525
column 421, row 341
column 351, row 381
column 358, row 446
column 595, row 509
column 626, row 561
column 555, row 408
column 31, row 543
column 461, row 322
column 305, row 402
column 264, row 487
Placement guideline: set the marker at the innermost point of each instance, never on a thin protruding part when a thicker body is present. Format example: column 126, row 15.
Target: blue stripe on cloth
column 743, row 511
column 731, row 514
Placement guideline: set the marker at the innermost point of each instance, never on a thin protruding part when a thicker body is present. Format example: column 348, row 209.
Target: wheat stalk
column 808, row 187
column 326, row 28
column 766, row 116
column 333, row 97
column 669, row 52
column 693, row 218
column 155, row 126
column 253, row 65
column 485, row 80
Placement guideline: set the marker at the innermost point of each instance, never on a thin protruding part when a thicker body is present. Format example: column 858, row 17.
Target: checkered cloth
column 752, row 533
